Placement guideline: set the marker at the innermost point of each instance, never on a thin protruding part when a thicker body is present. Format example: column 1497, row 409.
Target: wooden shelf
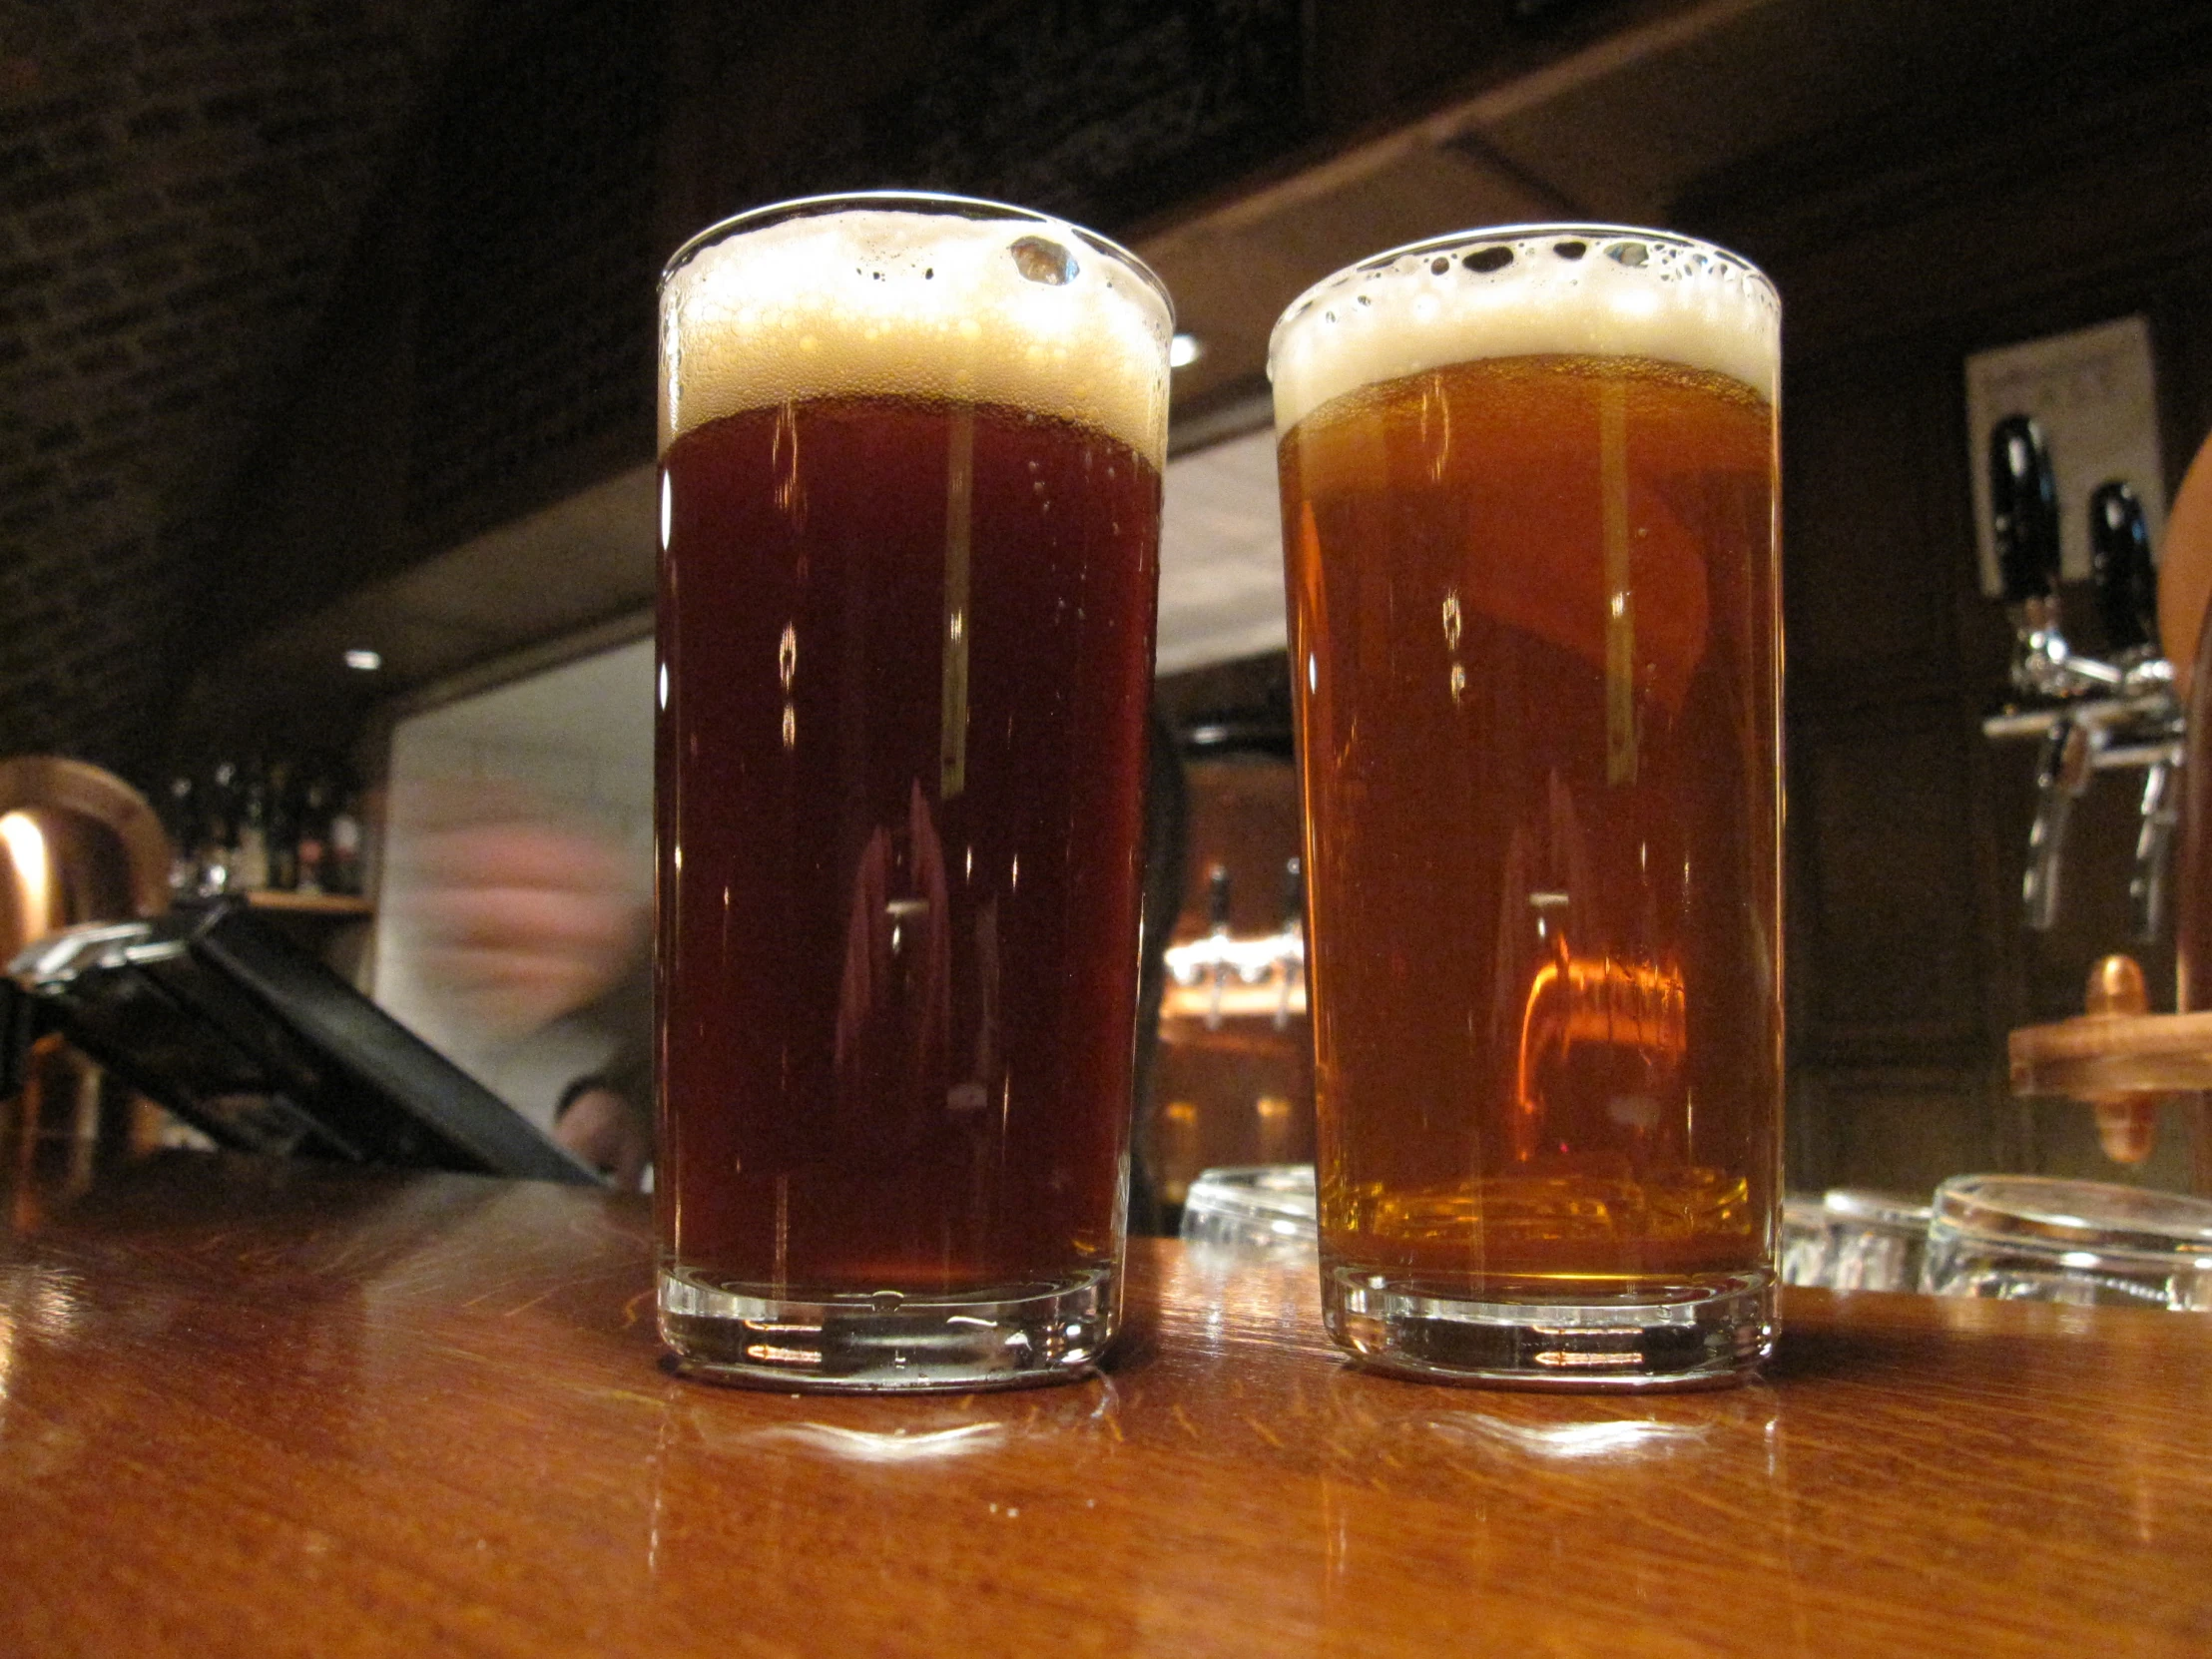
column 2093, row 1056
column 338, row 906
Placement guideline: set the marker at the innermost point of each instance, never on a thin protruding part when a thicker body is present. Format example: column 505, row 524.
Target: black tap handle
column 1217, row 897
column 2023, row 503
column 1294, row 892
column 2119, row 559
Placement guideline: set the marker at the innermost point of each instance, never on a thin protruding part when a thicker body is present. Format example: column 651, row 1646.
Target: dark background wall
column 294, row 296
column 2077, row 190
column 296, row 293
column 178, row 190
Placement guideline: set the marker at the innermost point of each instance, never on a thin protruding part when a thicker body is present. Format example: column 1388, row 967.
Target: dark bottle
column 250, row 865
column 180, row 816
column 219, row 855
column 342, row 855
column 284, row 826
column 315, row 835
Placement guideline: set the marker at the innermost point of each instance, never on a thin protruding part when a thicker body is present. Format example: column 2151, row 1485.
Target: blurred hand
column 599, row 1127
column 513, row 914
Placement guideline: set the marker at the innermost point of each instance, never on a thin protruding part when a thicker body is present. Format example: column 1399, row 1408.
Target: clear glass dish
column 1806, row 1240
column 1261, row 1209
column 1875, row 1241
column 2029, row 1238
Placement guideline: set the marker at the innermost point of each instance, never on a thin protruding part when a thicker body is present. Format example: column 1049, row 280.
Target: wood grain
column 269, row 1410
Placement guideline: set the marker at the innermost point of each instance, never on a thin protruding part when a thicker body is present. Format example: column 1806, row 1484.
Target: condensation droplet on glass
column 786, row 655
column 1451, row 619
column 1459, row 682
column 790, row 726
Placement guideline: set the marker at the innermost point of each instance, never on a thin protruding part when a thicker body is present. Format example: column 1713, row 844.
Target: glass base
column 1708, row 1331
column 1004, row 1337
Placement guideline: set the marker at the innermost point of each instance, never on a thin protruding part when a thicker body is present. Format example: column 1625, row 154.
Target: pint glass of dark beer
column 1529, row 487
column 911, row 454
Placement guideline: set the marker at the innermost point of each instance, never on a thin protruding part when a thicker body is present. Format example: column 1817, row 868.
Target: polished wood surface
column 271, row 1410
column 2092, row 1054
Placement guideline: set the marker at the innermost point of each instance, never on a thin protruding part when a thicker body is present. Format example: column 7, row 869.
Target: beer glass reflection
column 1529, row 485
column 910, row 494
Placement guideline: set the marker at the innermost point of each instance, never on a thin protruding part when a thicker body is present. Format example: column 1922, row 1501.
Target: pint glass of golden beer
column 1530, row 492
column 911, row 454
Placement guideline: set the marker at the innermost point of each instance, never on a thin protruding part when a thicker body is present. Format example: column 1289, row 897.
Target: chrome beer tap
column 2090, row 713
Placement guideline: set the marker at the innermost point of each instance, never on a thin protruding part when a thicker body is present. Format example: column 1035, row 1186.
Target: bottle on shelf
column 219, row 855
column 181, row 817
column 284, row 826
column 249, row 862
column 315, row 835
column 343, row 851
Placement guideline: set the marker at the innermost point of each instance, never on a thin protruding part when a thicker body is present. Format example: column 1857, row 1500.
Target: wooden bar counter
column 273, row 1409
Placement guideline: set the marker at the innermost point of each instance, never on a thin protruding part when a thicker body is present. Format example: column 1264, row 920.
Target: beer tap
column 2090, row 713
column 2127, row 595
column 2023, row 502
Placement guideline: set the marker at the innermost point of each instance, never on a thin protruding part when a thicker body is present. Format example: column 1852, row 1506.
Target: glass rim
column 1255, row 1192
column 1866, row 1206
column 2048, row 1215
column 922, row 202
column 1455, row 242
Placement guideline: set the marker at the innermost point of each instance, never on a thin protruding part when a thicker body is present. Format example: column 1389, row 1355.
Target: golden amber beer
column 911, row 512
column 1529, row 500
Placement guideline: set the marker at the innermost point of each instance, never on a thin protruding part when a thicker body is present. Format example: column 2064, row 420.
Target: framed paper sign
column 2093, row 393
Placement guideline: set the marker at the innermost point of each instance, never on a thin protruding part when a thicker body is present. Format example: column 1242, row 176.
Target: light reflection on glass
column 26, row 845
column 1617, row 1438
column 862, row 1445
column 1601, row 1000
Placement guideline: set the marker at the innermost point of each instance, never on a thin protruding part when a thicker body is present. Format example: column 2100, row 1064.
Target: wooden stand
column 2106, row 1057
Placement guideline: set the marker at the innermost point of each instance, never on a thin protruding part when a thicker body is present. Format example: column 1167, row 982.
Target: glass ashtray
column 1263, row 1209
column 1807, row 1240
column 2031, row 1237
column 1875, row 1241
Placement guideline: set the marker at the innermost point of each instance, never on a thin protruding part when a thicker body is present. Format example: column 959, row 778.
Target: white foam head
column 1523, row 290
column 884, row 297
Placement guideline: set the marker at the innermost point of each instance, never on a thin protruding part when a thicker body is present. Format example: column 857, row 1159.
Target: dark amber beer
column 1529, row 486
column 911, row 501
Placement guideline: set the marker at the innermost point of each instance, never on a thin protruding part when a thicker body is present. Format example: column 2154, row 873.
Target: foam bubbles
column 1525, row 291
column 874, row 300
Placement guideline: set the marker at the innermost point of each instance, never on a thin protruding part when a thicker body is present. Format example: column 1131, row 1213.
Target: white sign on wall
column 2093, row 394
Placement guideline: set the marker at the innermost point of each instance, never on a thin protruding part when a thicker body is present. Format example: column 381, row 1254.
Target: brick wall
column 293, row 294
column 179, row 188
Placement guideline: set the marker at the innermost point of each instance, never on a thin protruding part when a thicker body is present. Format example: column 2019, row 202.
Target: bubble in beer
column 1042, row 259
